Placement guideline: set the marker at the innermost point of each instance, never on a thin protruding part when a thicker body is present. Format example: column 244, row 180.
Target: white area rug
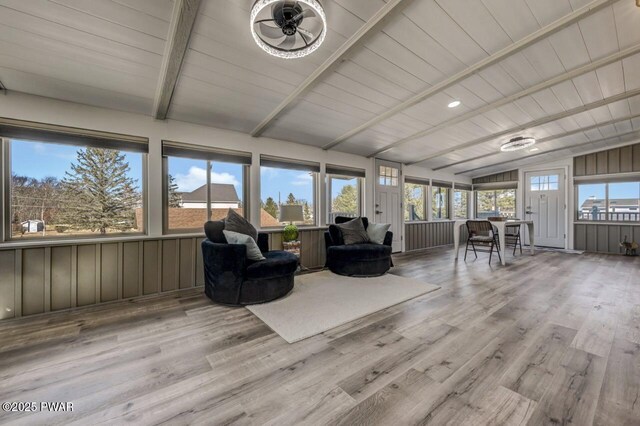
column 321, row 301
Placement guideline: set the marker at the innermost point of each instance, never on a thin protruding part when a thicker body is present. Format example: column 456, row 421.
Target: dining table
column 500, row 226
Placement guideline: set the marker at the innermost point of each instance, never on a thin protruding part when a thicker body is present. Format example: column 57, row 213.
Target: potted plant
column 290, row 233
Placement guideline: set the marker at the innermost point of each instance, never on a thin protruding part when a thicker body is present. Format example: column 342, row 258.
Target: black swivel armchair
column 362, row 260
column 232, row 279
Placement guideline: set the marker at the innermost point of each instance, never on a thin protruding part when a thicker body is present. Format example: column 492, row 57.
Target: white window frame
column 359, row 189
column 315, row 184
column 55, row 135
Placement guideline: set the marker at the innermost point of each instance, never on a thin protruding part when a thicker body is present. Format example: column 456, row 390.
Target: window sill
column 608, row 222
column 71, row 241
column 273, row 230
column 417, row 222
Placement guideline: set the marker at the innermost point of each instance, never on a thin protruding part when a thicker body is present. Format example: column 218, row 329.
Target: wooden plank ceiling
column 109, row 53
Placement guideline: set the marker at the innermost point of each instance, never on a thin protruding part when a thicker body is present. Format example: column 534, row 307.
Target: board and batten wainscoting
column 60, row 275
column 623, row 159
column 422, row 235
column 313, row 252
column 604, row 238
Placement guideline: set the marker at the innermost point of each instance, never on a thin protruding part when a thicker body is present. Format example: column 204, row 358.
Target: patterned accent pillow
column 236, row 223
column 353, row 232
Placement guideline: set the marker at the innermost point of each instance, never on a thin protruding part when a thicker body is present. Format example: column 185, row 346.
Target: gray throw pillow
column 377, row 232
column 253, row 252
column 353, row 232
column 236, row 223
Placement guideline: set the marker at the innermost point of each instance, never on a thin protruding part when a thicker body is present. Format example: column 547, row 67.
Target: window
column 545, row 183
column 460, row 204
column 495, row 202
column 616, row 201
column 73, row 186
column 344, row 187
column 415, row 201
column 388, row 176
column 440, row 203
column 202, row 184
column 287, row 182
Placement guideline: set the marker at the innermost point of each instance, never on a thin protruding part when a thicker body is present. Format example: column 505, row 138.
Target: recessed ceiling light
column 454, row 104
column 515, row 144
column 534, row 149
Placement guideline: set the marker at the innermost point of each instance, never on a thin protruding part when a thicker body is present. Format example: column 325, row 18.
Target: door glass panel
column 388, row 176
column 545, row 183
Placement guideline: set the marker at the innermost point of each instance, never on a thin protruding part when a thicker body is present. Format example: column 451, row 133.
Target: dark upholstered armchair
column 364, row 260
column 232, row 279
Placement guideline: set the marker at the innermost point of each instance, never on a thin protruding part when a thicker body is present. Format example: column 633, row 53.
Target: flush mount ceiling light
column 457, row 103
column 515, row 144
column 288, row 29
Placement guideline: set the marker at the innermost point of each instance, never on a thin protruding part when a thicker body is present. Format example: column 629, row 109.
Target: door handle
column 529, row 212
column 378, row 212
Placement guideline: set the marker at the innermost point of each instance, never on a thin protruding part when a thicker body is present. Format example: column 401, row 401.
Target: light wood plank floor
column 549, row 339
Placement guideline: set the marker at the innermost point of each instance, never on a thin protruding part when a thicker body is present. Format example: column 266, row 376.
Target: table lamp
column 291, row 213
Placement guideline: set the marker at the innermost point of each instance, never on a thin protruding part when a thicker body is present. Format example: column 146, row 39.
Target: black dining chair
column 512, row 237
column 481, row 234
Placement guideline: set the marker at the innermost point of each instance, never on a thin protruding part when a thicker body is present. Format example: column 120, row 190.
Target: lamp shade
column 291, row 213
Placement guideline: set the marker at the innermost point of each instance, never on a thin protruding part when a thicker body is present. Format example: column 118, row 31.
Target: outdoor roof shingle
column 220, row 193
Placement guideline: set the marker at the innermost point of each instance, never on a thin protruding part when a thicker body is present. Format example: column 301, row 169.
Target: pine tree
column 307, row 213
column 291, row 199
column 175, row 199
column 271, row 207
column 98, row 192
column 346, row 201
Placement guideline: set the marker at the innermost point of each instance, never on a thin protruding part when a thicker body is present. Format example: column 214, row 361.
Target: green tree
column 98, row 192
column 307, row 213
column 414, row 202
column 291, row 199
column 271, row 207
column 34, row 199
column 346, row 201
column 175, row 198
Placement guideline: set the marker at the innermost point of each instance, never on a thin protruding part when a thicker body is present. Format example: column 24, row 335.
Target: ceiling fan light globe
column 517, row 144
column 314, row 5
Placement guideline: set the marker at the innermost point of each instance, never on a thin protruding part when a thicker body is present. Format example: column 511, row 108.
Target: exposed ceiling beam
column 543, row 140
column 512, row 49
column 517, row 160
column 182, row 20
column 371, row 27
column 618, row 56
column 531, row 124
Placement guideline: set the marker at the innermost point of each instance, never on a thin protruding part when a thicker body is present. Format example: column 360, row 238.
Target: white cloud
column 224, row 178
column 198, row 176
column 302, row 179
column 44, row 150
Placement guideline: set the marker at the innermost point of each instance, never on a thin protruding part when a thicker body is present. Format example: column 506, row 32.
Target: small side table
column 293, row 247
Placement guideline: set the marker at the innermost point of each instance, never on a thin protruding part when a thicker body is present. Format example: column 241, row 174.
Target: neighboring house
column 623, row 208
column 223, row 196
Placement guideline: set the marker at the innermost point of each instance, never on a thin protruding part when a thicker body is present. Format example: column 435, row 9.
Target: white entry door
column 388, row 196
column 544, row 204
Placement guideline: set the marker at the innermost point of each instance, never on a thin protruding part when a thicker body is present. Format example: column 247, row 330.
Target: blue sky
column 40, row 160
column 281, row 182
column 616, row 190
